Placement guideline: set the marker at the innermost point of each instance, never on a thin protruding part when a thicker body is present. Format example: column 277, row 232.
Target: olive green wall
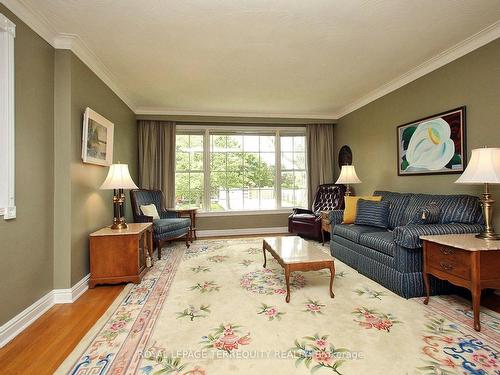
column 473, row 81
column 92, row 208
column 26, row 241
column 77, row 184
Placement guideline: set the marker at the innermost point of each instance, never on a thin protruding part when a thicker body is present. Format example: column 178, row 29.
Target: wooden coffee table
column 295, row 254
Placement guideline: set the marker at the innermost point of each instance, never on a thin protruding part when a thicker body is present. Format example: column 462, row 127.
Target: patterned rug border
column 156, row 298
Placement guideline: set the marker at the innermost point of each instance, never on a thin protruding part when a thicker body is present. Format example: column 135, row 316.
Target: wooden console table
column 464, row 260
column 120, row 255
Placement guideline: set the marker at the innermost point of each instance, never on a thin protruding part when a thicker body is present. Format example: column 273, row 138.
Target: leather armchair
column 307, row 223
column 168, row 227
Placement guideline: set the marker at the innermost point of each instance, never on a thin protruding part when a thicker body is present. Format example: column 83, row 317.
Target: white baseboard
column 240, row 232
column 72, row 294
column 25, row 318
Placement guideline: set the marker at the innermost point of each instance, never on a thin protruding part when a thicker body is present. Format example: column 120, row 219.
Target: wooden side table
column 326, row 226
column 120, row 255
column 191, row 213
column 464, row 260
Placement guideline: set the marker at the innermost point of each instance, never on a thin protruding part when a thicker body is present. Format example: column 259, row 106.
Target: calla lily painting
column 433, row 145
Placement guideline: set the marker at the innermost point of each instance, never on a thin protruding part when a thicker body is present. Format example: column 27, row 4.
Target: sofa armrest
column 336, row 216
column 165, row 214
column 144, row 219
column 409, row 235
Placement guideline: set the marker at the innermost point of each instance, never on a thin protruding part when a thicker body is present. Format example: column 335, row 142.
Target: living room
column 272, row 129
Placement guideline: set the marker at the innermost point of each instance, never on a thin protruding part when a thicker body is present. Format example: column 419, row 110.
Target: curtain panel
column 157, row 157
column 320, row 157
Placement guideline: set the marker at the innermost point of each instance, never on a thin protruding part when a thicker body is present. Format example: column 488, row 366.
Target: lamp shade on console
column 484, row 168
column 348, row 177
column 118, row 178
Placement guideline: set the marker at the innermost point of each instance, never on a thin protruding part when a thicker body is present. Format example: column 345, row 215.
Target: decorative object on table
column 118, row 179
column 97, row 139
column 348, row 177
column 120, row 256
column 463, row 260
column 307, row 223
column 484, row 168
column 433, row 145
column 168, row 227
column 345, row 156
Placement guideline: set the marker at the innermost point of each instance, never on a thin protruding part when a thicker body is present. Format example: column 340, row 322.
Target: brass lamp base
column 487, row 205
column 119, row 223
column 118, row 219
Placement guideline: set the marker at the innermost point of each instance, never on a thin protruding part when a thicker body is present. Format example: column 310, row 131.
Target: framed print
column 97, row 139
column 433, row 145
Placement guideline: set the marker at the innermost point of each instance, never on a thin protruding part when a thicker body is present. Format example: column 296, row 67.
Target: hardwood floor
column 44, row 345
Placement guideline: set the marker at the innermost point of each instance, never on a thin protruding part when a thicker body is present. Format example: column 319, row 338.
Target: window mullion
column 206, row 170
column 277, row 177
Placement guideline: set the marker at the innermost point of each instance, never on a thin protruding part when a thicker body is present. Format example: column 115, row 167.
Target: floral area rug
column 213, row 309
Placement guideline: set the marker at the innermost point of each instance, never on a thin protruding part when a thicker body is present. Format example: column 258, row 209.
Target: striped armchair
column 393, row 257
column 168, row 227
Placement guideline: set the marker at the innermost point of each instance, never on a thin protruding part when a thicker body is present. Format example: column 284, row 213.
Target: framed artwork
column 433, row 145
column 97, row 139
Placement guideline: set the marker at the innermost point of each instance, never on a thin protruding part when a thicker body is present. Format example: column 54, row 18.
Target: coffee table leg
column 264, row 251
column 287, row 280
column 332, row 276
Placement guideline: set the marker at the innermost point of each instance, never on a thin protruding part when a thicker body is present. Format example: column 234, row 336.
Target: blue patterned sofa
column 393, row 257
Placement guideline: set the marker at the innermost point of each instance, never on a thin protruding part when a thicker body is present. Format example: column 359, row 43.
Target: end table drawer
column 449, row 260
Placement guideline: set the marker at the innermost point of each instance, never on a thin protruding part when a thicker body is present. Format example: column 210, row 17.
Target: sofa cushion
column 454, row 208
column 352, row 232
column 397, row 207
column 162, row 226
column 371, row 213
column 150, row 210
column 381, row 241
column 351, row 204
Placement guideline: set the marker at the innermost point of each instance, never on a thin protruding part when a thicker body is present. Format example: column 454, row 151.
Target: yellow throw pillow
column 351, row 204
column 150, row 210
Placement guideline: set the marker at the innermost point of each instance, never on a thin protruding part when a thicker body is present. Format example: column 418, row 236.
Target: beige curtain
column 320, row 158
column 157, row 157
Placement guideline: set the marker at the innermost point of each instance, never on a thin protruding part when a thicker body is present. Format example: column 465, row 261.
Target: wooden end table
column 295, row 254
column 326, row 225
column 463, row 260
column 191, row 213
column 120, row 255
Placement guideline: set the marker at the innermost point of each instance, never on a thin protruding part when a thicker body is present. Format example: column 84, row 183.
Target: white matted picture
column 97, row 139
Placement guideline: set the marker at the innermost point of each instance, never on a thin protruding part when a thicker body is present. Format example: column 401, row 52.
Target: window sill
column 244, row 213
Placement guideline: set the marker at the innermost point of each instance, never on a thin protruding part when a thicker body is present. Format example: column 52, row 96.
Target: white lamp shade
column 483, row 167
column 118, row 178
column 348, row 175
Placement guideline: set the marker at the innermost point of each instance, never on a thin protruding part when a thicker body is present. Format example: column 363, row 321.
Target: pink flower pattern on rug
column 226, row 337
column 270, row 281
column 373, row 319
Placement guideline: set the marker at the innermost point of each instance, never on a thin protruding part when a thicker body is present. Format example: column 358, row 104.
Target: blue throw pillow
column 375, row 214
column 429, row 214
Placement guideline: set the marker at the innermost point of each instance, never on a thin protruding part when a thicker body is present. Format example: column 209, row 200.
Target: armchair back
column 329, row 197
column 141, row 197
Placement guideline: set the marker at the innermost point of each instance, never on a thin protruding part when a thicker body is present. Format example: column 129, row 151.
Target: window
column 221, row 169
column 7, row 34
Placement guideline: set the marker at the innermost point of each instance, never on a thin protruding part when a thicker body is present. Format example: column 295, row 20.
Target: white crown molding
column 36, row 21
column 241, row 232
column 173, row 112
column 74, row 43
column 25, row 318
column 466, row 46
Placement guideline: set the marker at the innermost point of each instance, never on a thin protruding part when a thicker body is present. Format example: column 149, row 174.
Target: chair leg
column 188, row 238
column 160, row 246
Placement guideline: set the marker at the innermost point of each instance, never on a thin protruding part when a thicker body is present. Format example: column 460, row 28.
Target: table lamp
column 484, row 168
column 118, row 178
column 347, row 177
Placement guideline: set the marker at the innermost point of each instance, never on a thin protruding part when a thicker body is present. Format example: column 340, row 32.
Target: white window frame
column 207, row 129
column 7, row 152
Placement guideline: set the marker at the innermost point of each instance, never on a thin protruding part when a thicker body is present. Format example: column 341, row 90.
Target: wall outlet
column 10, row 213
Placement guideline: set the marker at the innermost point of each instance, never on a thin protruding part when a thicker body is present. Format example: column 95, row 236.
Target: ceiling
column 286, row 58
